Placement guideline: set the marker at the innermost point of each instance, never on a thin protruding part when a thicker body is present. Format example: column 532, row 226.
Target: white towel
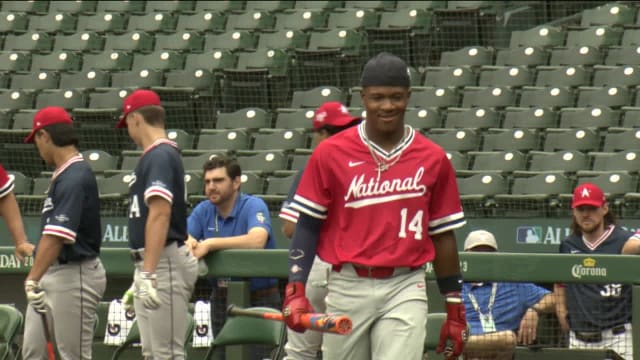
column 119, row 321
column 202, row 332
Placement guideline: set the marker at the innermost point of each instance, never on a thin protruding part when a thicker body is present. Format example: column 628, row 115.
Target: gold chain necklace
column 382, row 164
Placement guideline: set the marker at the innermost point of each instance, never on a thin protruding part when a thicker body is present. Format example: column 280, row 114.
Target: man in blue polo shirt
column 500, row 314
column 229, row 219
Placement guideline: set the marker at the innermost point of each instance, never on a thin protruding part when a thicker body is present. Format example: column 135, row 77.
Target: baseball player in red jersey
column 377, row 202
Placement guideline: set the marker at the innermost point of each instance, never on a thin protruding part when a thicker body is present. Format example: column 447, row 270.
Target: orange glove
column 295, row 304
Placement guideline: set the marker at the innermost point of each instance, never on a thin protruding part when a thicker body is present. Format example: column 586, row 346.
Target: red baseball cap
column 588, row 194
column 332, row 113
column 136, row 100
column 48, row 116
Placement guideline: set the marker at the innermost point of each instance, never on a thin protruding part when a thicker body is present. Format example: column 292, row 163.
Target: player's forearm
column 11, row 213
column 560, row 294
column 49, row 248
column 546, row 304
column 303, row 248
column 288, row 228
column 156, row 231
column 255, row 239
column 446, row 263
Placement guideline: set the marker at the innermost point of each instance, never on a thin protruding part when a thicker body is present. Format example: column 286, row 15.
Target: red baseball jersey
column 6, row 182
column 385, row 219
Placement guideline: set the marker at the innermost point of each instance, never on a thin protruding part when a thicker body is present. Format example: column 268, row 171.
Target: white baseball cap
column 480, row 237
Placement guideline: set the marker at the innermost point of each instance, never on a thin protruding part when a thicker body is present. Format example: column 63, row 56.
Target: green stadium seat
column 153, row 22
column 455, row 76
column 194, row 185
column 30, row 41
column 24, row 157
column 183, row 139
column 194, row 164
column 589, row 117
column 87, row 79
column 53, row 23
column 579, row 55
column 609, row 14
column 630, row 38
column 569, row 76
column 134, row 41
column 615, row 185
column 130, row 160
column 546, row 96
column 230, row 40
column 219, row 6
column 615, row 96
column 214, row 60
column 117, row 185
column 459, row 161
column 315, row 97
column 108, row 98
column 72, row 7
column 500, row 162
column 103, row 22
column 159, row 60
column 17, row 99
column 66, row 98
column 23, row 119
column 202, row 21
column 296, row 119
column 137, row 78
column 281, row 139
column 513, row 76
column 631, row 117
column 301, row 19
column 621, row 140
column 57, row 60
column 299, row 159
column 100, row 160
column 13, row 22
column 5, row 118
column 564, row 161
column 121, row 6
column 15, row 61
column 35, row 80
column 170, row 6
column 79, row 41
column 530, row 118
column 280, row 185
column 108, row 61
column 247, row 118
column 41, row 186
column 524, row 56
column 22, row 183
column 352, row 18
column 468, row 56
column 477, row 192
column 324, row 5
column 283, row 39
column 523, row 140
column 105, row 107
column 543, row 36
column 462, row 140
column 426, row 5
column 595, row 36
column 12, row 320
column 251, row 182
column 474, row 118
column 31, row 7
column 264, row 162
column 422, row 118
column 571, row 139
column 231, row 139
column 197, row 79
column 628, row 161
column 616, row 75
column 270, row 6
column 535, row 196
column 250, row 20
column 428, row 96
column 495, row 97
column 377, row 5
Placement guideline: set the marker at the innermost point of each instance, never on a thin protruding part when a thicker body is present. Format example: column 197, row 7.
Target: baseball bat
column 336, row 324
column 50, row 351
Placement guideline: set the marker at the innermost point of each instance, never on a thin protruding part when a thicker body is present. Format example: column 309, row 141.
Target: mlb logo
column 529, row 234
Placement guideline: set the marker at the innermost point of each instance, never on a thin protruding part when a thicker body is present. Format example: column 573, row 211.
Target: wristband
column 450, row 284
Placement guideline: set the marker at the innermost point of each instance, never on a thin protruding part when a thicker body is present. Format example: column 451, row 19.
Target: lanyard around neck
column 492, row 298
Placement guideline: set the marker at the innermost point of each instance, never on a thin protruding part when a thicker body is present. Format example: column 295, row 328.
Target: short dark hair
column 62, row 134
column 332, row 130
column 231, row 165
column 609, row 219
column 153, row 115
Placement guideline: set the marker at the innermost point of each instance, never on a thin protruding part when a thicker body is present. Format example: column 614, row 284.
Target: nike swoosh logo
column 355, row 163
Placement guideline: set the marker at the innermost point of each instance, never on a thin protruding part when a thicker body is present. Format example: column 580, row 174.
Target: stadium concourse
column 528, row 98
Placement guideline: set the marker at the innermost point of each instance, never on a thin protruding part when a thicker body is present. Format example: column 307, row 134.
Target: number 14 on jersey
column 415, row 225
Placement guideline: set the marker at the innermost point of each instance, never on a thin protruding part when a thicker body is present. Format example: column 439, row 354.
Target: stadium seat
column 108, row 60
column 202, row 21
column 454, row 76
column 280, row 185
column 631, row 117
column 513, row 76
column 523, row 56
column 153, row 22
column 568, row 76
column 219, row 6
column 571, row 139
column 299, row 159
column 72, row 7
column 194, row 164
column 459, row 161
column 330, row 5
column 134, row 41
column 615, row 96
column 180, row 41
column 22, row 183
column 630, row 38
column 616, row 75
column 530, row 118
column 30, row 41
column 468, row 56
column 66, row 98
column 100, row 160
column 41, row 186
column 615, row 185
column 352, row 18
column 621, row 140
column 13, row 22
column 579, row 55
column 554, row 97
column 24, row 157
column 23, row 119
column 500, row 162
column 523, row 140
column 315, row 97
column 79, row 41
column 608, row 14
column 627, row 161
column 270, row 6
column 183, row 139
column 301, row 19
column 11, row 319
column 247, row 118
column 565, row 161
column 595, row 36
column 294, row 119
column 232, row 139
column 159, row 60
column 53, row 23
column 214, row 61
column 400, row 33
column 15, row 61
column 125, row 7
column 250, row 20
column 440, row 97
column 251, row 182
column 57, row 60
column 494, row 97
column 230, row 40
column 541, row 36
column 283, row 39
column 102, row 22
column 137, row 78
column 116, row 185
column 170, row 6
column 194, row 185
column 263, row 162
column 422, row 118
column 535, row 196
column 477, row 192
column 5, row 118
column 188, row 97
column 591, row 117
column 474, row 118
column 378, row 5
column 35, row 80
column 462, row 140
column 17, row 99
column 88, row 79
column 281, row 139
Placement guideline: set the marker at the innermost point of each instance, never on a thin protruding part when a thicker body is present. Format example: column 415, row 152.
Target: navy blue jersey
column 595, row 307
column 158, row 173
column 71, row 211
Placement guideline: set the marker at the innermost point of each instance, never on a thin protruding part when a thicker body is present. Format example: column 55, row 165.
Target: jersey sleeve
column 196, row 221
column 64, row 219
column 258, row 215
column 314, row 191
column 158, row 177
column 6, row 182
column 286, row 211
column 445, row 209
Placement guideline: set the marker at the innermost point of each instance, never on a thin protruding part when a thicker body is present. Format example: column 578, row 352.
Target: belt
column 65, row 261
column 376, row 272
column 596, row 336
column 265, row 292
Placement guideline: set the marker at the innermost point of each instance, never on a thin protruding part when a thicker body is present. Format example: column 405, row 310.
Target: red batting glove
column 295, row 304
column 454, row 328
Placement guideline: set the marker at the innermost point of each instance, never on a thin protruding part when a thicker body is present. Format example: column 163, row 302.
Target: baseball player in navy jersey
column 165, row 270
column 10, row 212
column 377, row 202
column 596, row 315
column 329, row 119
column 67, row 279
